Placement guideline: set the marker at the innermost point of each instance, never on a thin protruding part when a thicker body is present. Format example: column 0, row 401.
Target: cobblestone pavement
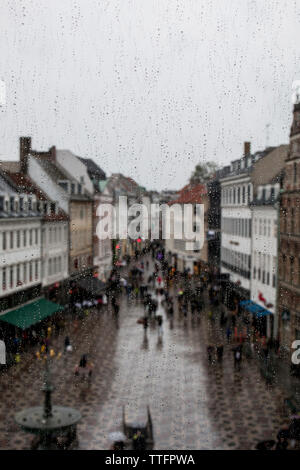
column 194, row 405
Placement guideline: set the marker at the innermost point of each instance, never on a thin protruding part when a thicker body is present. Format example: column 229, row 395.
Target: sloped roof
column 191, row 194
column 23, row 184
column 57, row 173
column 93, row 168
column 124, row 183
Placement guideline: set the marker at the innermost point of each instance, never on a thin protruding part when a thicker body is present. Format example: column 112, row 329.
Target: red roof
column 191, row 194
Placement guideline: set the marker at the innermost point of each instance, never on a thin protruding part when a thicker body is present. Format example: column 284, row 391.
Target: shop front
column 257, row 318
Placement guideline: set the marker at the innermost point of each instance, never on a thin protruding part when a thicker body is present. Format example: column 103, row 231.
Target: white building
column 93, row 180
column 20, row 247
column 264, row 250
column 236, row 225
column 182, row 258
column 54, row 230
column 249, row 189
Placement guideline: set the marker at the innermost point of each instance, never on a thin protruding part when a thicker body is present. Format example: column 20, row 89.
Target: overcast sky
column 148, row 87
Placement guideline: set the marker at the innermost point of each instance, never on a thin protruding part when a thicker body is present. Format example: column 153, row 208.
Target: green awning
column 30, row 314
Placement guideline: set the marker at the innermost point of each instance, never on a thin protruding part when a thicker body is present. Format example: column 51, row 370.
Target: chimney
column 25, row 147
column 52, row 152
column 247, row 148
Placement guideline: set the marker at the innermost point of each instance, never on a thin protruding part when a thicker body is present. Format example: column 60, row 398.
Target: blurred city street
column 194, row 404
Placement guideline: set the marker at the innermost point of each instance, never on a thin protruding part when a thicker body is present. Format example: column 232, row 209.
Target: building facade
column 265, row 210
column 70, row 196
column 20, row 247
column 236, row 227
column 183, row 259
column 289, row 249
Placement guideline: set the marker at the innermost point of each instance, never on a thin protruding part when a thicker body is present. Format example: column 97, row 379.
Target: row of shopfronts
column 26, row 315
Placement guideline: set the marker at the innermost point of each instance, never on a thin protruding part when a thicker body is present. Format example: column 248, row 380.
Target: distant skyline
column 148, row 88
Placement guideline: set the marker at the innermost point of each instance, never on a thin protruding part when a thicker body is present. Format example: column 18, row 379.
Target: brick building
column 289, row 247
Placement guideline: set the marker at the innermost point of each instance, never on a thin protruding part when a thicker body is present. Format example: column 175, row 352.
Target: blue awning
column 254, row 308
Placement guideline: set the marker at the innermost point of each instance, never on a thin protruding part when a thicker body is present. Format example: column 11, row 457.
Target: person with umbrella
column 118, row 440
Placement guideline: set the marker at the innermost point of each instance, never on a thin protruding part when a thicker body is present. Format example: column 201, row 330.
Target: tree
column 203, row 172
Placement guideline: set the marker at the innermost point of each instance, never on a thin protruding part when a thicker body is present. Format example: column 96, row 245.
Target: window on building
column 11, row 240
column 4, row 240
column 25, row 272
column 18, row 238
column 292, row 259
column 4, row 279
column 25, row 237
column 52, row 208
column 18, row 275
column 64, row 185
column 292, row 220
column 11, row 276
column 272, row 194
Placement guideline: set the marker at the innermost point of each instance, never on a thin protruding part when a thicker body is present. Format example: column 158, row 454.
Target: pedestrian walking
column 220, row 349
column 210, row 352
column 228, row 334
column 116, row 309
column 222, row 318
column 237, row 354
column 145, row 324
column 160, row 322
column 67, row 343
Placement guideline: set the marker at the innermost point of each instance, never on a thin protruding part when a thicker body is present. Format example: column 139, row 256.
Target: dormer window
column 72, row 188
column 45, row 208
column 79, row 188
column 1, row 203
column 21, row 202
column 16, row 206
column 64, row 185
column 272, row 194
column 12, row 204
column 29, row 204
column 53, row 208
